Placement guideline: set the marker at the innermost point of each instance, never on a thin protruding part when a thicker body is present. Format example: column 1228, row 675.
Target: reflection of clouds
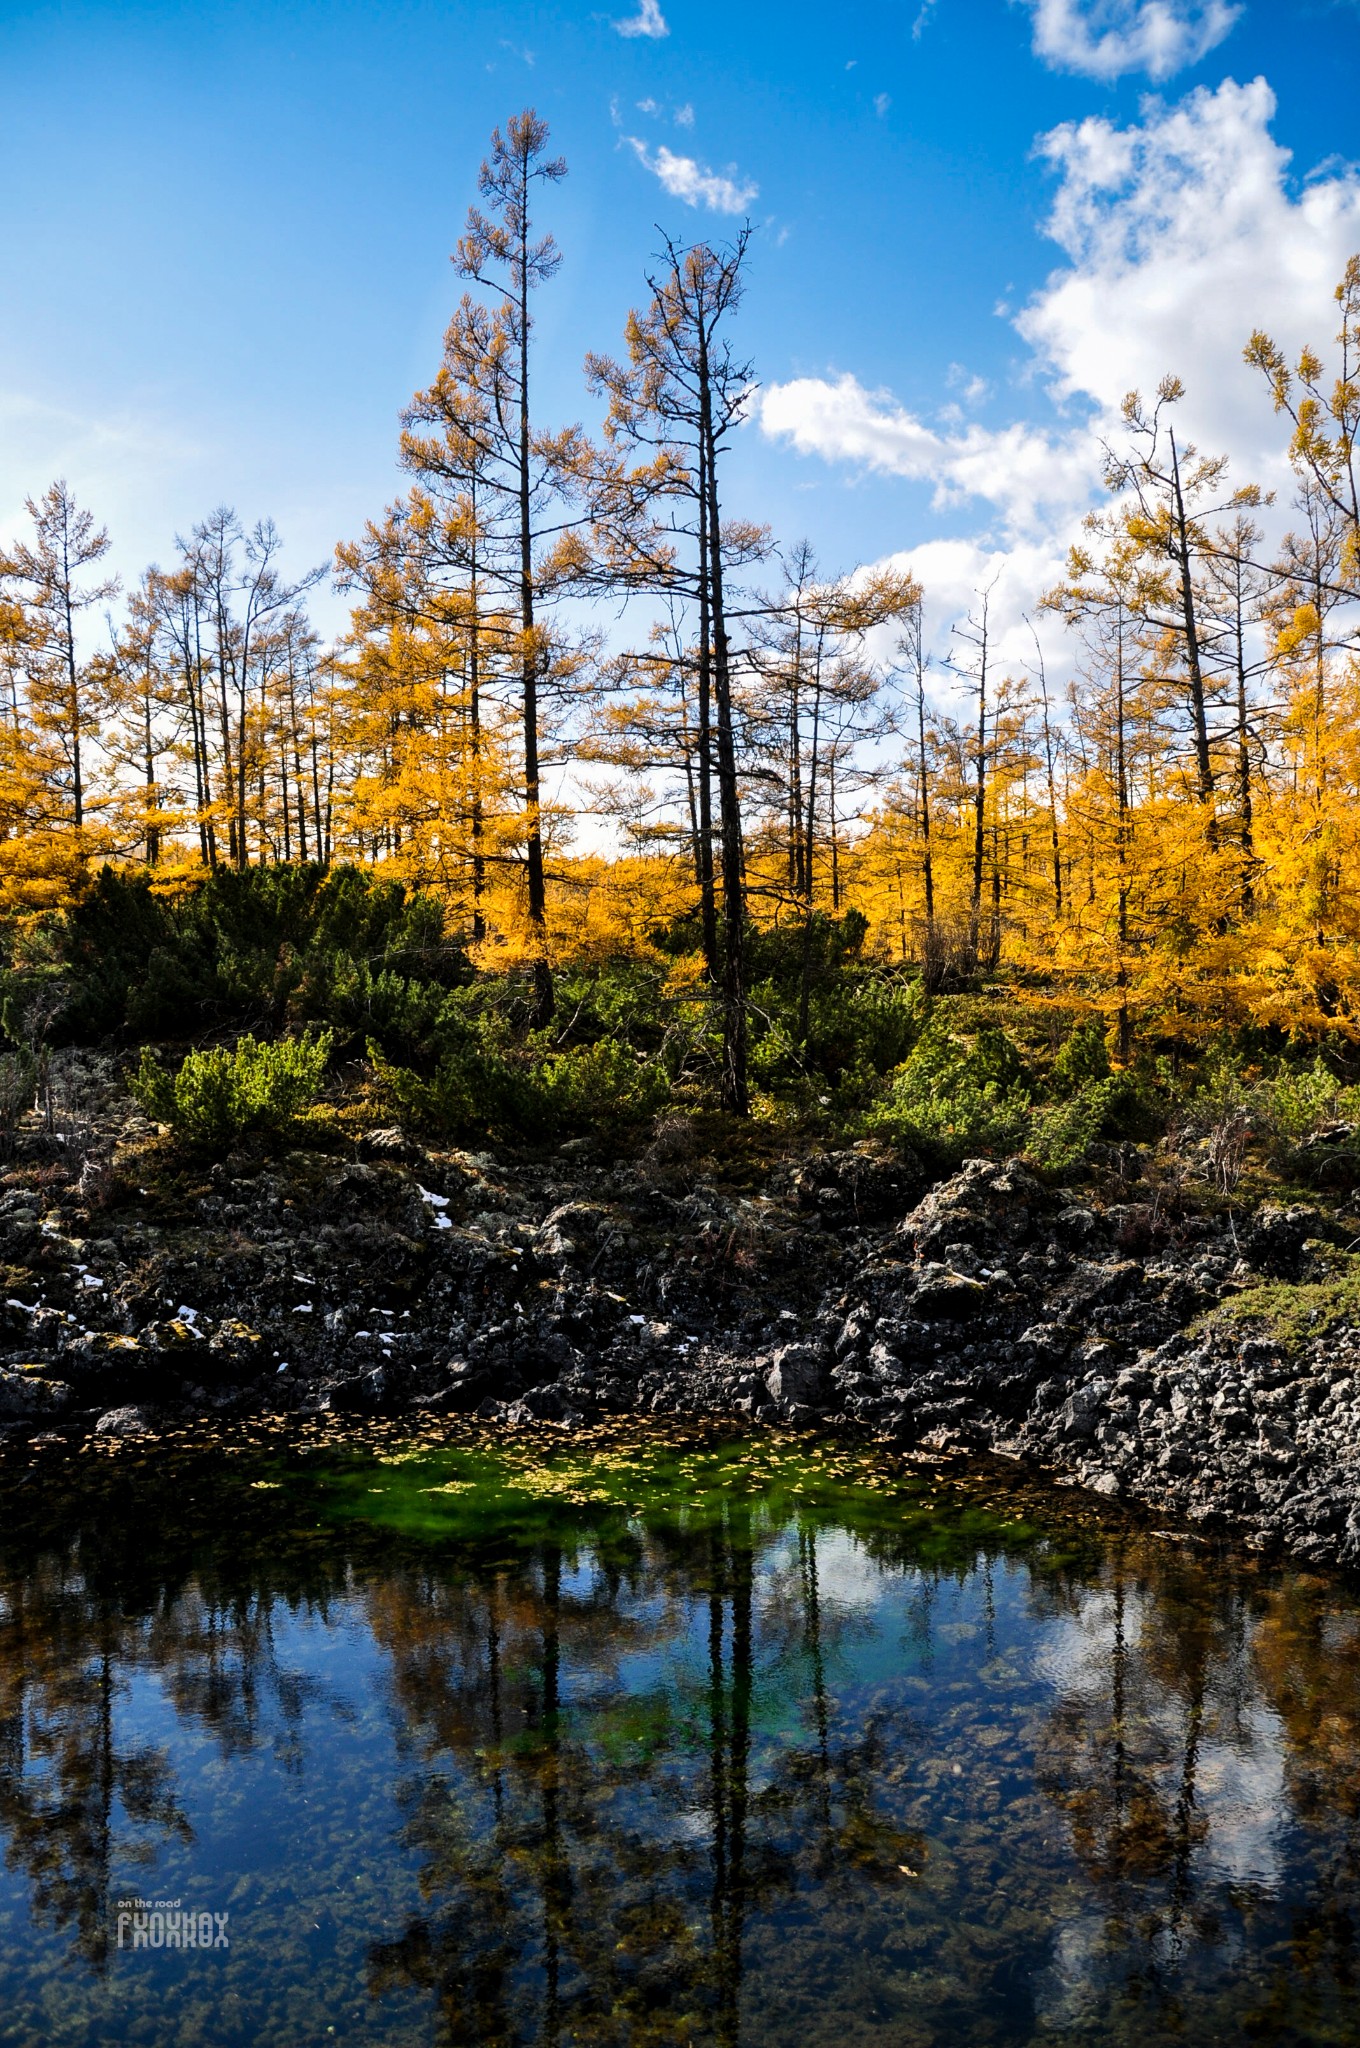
column 1073, row 1653
column 846, row 1575
column 1241, row 1793
column 1240, row 1789
column 1066, row 1993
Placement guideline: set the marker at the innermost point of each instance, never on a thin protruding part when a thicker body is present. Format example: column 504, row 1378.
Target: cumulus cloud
column 1019, row 468
column 684, row 178
column 1179, row 234
column 1109, row 38
column 648, row 21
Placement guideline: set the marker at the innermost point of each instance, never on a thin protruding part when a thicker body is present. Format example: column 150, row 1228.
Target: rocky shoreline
column 1099, row 1340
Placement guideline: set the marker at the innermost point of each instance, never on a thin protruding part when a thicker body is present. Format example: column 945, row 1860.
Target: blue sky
column 228, row 229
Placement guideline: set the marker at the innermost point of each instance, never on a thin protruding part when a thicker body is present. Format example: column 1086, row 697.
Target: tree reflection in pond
column 709, row 1745
column 592, row 1834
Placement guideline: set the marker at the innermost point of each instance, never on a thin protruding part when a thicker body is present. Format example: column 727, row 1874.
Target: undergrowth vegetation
column 1293, row 1312
column 265, row 989
column 225, row 1093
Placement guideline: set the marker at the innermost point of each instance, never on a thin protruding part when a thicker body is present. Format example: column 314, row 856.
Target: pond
column 639, row 1741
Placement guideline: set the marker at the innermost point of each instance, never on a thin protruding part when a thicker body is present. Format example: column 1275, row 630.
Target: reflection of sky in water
column 1241, row 1794
column 896, row 1820
column 1239, row 1790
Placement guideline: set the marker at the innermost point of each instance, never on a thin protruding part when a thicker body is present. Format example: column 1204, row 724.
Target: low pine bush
column 221, row 1095
column 593, row 1087
column 958, row 1095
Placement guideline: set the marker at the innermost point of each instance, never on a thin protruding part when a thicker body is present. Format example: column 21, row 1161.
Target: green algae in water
column 659, row 1742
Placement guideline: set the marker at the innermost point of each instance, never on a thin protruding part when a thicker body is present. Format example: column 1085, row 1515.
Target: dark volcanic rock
column 32, row 1394
column 124, row 1422
column 994, row 1313
column 987, row 1205
column 796, row 1373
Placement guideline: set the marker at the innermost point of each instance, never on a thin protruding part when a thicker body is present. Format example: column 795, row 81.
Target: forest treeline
column 595, row 716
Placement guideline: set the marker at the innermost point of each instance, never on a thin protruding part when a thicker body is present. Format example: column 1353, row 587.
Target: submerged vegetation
column 659, row 1739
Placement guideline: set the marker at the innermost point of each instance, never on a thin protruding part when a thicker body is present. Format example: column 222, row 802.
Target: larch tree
column 911, row 649
column 239, row 596
column 1170, row 496
column 1238, row 593
column 485, row 394
column 973, row 667
column 679, row 396
column 48, row 574
column 1098, row 598
column 1325, row 415
column 815, row 704
column 145, row 718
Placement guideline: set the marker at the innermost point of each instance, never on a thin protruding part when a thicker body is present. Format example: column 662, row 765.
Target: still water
column 651, row 1742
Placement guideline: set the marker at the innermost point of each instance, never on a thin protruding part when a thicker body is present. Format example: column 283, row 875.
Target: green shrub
column 1307, row 1123
column 472, row 1092
column 591, row 1087
column 1295, row 1103
column 775, row 1059
column 403, row 1016
column 862, row 1024
column 261, row 943
column 1062, row 1134
column 19, row 1072
column 1082, row 1058
column 479, row 1090
column 218, row 1096
column 617, row 998
column 955, row 1096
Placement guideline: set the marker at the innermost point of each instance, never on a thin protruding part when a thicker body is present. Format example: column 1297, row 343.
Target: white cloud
column 1107, row 38
column 953, row 572
column 684, row 116
column 648, row 21
column 974, row 389
column 882, row 102
column 649, row 107
column 919, row 25
column 693, row 182
column 1017, row 468
column 1180, row 234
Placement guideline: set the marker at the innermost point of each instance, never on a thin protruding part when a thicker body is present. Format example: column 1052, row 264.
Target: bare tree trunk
column 708, row 902
column 735, row 1093
column 979, row 797
column 1193, row 662
column 1122, row 779
column 538, row 898
column 932, row 966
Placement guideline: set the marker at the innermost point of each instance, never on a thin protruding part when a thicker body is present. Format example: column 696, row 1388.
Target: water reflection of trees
column 130, row 1589
column 1205, row 1749
column 593, row 1846
column 629, row 1746
column 68, row 1785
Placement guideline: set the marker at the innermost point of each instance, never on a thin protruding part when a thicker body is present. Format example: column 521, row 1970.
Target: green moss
column 1295, row 1311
